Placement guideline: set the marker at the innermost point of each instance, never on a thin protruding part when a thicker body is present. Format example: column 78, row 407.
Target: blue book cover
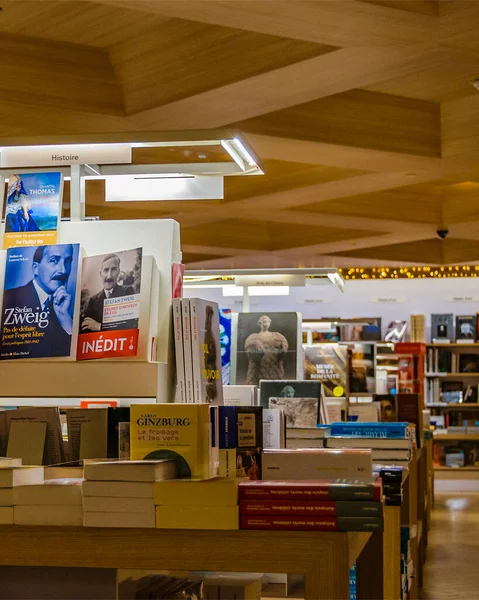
column 225, row 315
column 227, row 426
column 373, row 430
column 33, row 209
column 38, row 301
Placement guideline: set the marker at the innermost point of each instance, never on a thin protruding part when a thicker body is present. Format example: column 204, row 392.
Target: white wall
column 360, row 299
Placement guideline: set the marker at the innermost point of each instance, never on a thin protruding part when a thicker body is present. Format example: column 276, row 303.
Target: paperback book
column 341, row 508
column 319, row 490
column 328, row 364
column 39, row 301
column 442, row 328
column 110, row 305
column 33, row 208
column 287, row 389
column 311, row 523
column 396, row 332
column 240, row 441
column 299, row 412
column 466, row 329
column 266, row 346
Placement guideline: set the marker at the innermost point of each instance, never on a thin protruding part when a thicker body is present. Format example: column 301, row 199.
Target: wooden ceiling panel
column 358, row 118
column 178, row 60
column 419, row 7
column 427, row 251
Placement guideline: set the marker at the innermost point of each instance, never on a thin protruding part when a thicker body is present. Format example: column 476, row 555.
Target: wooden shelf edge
column 456, row 468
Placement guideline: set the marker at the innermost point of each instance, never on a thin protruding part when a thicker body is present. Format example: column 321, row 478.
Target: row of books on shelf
column 450, row 392
column 454, row 455
column 442, row 360
column 443, row 330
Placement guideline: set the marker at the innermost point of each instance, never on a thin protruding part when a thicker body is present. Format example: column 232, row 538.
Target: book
column 33, row 209
column 318, row 432
column 118, row 489
column 361, row 330
column 10, row 462
column 208, row 493
column 374, row 443
column 119, row 519
column 197, row 517
column 274, row 428
column 110, row 305
column 206, row 352
column 54, row 492
column 299, row 412
column 39, row 301
column 179, row 351
column 266, row 346
column 287, row 389
column 409, row 407
column 178, row 432
column 239, row 395
column 6, row 496
column 187, row 349
column 328, row 364
column 361, row 359
column 117, row 504
column 27, row 440
column 67, row 516
column 130, row 470
column 340, row 508
column 311, row 523
column 118, row 432
column 294, row 443
column 373, row 430
column 239, row 586
column 468, row 363
column 226, row 317
column 240, row 441
column 383, row 454
column 364, row 412
column 327, row 489
column 317, row 463
column 87, row 433
column 49, row 415
column 396, row 332
column 442, row 328
column 63, row 473
column 466, row 329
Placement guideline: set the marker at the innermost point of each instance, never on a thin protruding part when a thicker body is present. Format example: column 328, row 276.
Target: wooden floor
column 452, row 565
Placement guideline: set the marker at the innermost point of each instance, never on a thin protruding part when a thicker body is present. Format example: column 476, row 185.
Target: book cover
column 299, row 412
column 287, row 389
column 87, row 433
column 372, row 430
column 468, row 363
column 442, row 328
column 396, row 332
column 197, row 517
column 53, row 452
column 178, row 432
column 361, row 330
column 361, row 358
column 179, row 351
column 311, row 523
column 240, row 441
column 206, row 352
column 118, row 435
column 328, row 364
column 466, row 329
column 33, row 209
column 303, row 507
column 317, row 463
column 267, row 347
column 110, row 305
column 274, row 428
column 239, row 395
column 225, row 315
column 328, row 489
column 39, row 301
column 183, row 492
column 187, row 351
column 410, row 408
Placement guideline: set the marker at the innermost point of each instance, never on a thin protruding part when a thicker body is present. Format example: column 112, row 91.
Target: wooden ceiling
column 363, row 112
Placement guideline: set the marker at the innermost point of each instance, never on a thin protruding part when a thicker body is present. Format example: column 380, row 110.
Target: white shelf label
column 64, row 155
column 388, row 299
column 461, row 298
column 314, row 300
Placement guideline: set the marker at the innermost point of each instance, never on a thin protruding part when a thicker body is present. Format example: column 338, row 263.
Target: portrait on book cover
column 38, row 301
column 106, row 280
column 266, row 347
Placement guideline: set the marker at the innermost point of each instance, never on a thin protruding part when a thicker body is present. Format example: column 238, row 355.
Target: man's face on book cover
column 54, row 268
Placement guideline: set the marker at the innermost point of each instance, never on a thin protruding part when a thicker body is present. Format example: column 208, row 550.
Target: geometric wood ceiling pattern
column 363, row 113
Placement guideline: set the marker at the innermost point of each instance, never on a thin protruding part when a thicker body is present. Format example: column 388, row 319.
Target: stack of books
column 392, row 478
column 210, row 504
column 407, row 564
column 308, row 437
column 121, row 493
column 390, row 443
column 311, row 505
column 54, row 502
column 11, row 475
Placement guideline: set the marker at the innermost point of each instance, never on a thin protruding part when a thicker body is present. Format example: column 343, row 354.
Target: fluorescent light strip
column 245, row 154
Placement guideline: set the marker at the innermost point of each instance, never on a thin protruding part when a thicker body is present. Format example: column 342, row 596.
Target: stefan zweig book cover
column 33, row 209
column 39, row 301
column 110, row 305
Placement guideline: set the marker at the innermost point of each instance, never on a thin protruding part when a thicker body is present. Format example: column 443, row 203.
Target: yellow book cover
column 179, row 432
column 197, row 517
column 213, row 492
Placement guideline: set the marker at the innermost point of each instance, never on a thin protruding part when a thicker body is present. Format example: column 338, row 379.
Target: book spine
column 285, row 522
column 185, row 311
column 228, row 429
column 398, row 432
column 179, row 352
column 328, row 491
column 356, row 508
column 196, row 353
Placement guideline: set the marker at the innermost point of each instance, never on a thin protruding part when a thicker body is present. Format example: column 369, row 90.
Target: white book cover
column 274, row 428
column 239, row 395
column 179, row 351
column 186, row 316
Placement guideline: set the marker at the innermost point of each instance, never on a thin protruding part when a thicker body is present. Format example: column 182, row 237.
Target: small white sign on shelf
column 462, row 298
column 327, row 300
column 388, row 299
column 68, row 154
column 270, row 280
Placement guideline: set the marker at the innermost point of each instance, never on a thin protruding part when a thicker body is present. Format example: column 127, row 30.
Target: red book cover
column 327, row 508
column 298, row 523
column 310, row 490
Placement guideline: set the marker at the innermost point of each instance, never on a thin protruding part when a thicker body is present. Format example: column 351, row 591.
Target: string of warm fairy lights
column 409, row 272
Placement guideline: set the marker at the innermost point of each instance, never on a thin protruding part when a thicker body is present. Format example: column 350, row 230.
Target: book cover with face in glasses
column 39, row 301
column 110, row 305
column 33, row 209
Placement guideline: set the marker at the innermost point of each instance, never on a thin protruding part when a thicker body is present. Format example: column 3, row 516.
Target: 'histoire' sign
column 64, row 155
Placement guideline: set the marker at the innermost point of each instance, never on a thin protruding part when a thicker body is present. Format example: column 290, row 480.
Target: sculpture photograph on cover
column 266, row 347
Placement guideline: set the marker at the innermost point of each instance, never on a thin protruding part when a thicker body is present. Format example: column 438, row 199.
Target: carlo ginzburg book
column 32, row 210
column 110, row 305
column 38, row 301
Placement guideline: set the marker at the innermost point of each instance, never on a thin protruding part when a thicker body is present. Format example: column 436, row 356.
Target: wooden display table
column 324, row 558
